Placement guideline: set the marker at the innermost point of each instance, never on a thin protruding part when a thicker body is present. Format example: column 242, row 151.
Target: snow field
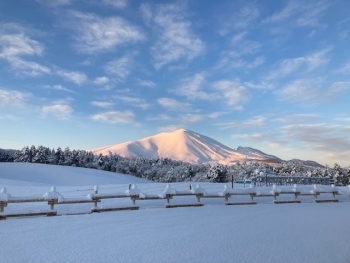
column 306, row 232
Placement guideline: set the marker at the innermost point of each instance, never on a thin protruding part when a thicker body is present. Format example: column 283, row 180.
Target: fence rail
column 53, row 198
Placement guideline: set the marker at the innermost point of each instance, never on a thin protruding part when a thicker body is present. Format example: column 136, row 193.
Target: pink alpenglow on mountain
column 185, row 145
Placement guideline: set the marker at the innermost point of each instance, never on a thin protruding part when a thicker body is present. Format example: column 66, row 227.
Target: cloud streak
column 176, row 40
column 114, row 117
column 101, row 34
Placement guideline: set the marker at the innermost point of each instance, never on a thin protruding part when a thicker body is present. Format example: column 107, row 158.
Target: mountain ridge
column 186, row 145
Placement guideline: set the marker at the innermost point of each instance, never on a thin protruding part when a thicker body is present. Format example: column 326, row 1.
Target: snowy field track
column 266, row 232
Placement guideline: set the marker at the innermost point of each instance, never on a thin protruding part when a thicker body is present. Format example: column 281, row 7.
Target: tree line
column 167, row 170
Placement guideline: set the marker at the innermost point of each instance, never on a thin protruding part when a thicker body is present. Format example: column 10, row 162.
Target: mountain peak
column 184, row 145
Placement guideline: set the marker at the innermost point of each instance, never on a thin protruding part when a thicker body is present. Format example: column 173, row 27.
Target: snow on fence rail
column 54, row 198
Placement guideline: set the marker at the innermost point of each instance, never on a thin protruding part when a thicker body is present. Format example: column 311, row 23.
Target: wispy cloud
column 147, row 83
column 14, row 46
column 299, row 13
column 255, row 122
column 240, row 19
column 102, row 104
column 114, row 117
column 296, row 118
column 240, row 54
column 133, row 101
column 345, row 69
column 304, row 90
column 326, row 138
column 120, row 67
column 8, row 117
column 73, row 76
column 13, row 98
column 101, row 80
column 192, row 88
column 60, row 111
column 271, row 139
column 115, row 3
column 58, row 87
column 235, row 94
column 303, row 64
column 172, row 104
column 191, row 118
column 55, row 3
column 170, row 128
column 97, row 34
column 176, row 39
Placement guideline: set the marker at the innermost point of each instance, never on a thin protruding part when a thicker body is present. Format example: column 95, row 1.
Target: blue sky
column 272, row 75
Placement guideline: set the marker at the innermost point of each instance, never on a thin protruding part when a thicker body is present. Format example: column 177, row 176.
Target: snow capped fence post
column 3, row 199
column 95, row 192
column 96, row 189
column 52, row 197
column 133, row 192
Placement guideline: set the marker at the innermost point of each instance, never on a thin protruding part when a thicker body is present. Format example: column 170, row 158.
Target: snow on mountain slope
column 256, row 154
column 183, row 145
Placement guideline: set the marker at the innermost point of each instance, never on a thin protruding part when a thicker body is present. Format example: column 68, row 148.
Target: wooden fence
column 53, row 198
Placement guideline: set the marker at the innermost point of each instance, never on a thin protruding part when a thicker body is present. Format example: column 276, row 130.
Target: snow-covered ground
column 306, row 232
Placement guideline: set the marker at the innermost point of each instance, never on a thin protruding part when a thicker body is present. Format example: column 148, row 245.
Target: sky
column 272, row 75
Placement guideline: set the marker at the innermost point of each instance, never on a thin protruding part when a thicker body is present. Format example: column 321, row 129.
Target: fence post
column 95, row 192
column 226, row 197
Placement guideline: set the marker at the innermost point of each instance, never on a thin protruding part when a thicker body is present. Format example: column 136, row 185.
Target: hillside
column 48, row 175
column 187, row 146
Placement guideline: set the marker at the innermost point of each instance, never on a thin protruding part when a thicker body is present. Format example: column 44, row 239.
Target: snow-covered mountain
column 187, row 146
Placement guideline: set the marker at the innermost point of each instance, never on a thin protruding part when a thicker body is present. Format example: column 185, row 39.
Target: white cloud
column 264, row 85
column 271, row 139
column 303, row 90
column 176, row 39
column 102, row 104
column 54, row 3
column 96, row 34
column 255, row 122
column 73, row 76
column 8, row 117
column 192, row 88
column 101, row 80
column 298, row 13
column 160, row 117
column 114, row 117
column 58, row 87
column 300, row 64
column 345, row 118
column 13, row 98
column 217, row 114
column 61, row 111
column 120, row 67
column 234, row 58
column 296, row 118
column 191, row 118
column 238, row 20
column 14, row 46
column 147, row 83
column 115, row 3
column 134, row 101
column 170, row 128
column 28, row 68
column 236, row 39
column 345, row 69
column 233, row 92
column 172, row 104
column 327, row 138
